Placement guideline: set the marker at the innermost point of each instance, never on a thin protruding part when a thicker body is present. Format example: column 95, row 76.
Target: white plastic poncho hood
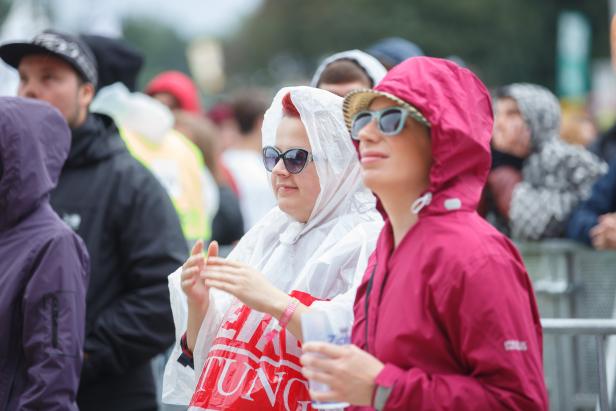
column 152, row 121
column 325, row 257
column 375, row 70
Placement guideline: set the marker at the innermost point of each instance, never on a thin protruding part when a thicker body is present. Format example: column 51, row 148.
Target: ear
column 86, row 94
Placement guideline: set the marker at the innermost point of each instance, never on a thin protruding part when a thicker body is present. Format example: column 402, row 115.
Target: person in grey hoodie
column 44, row 266
column 537, row 179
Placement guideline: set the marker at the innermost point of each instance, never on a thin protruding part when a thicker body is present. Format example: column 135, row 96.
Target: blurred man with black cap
column 126, row 219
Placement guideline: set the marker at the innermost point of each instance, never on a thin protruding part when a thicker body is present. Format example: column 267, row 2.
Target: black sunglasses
column 294, row 159
column 390, row 121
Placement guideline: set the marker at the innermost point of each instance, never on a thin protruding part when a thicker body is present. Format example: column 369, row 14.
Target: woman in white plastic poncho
column 244, row 313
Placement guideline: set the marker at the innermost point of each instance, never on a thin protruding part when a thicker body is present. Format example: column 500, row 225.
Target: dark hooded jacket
column 605, row 146
column 601, row 201
column 43, row 265
column 135, row 240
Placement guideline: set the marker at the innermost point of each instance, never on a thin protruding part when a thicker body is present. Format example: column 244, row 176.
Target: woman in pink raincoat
column 445, row 318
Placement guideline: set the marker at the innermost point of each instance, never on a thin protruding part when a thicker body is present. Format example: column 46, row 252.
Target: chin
column 286, row 206
column 375, row 180
column 292, row 210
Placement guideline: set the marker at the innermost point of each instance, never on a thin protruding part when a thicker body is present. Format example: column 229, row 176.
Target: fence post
column 603, row 395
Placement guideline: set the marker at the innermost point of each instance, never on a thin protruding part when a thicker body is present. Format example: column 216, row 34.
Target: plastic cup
column 317, row 326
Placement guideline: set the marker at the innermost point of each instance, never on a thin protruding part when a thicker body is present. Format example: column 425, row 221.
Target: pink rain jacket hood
column 451, row 312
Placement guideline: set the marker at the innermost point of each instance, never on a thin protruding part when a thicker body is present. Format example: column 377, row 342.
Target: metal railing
column 600, row 329
column 573, row 281
column 575, row 287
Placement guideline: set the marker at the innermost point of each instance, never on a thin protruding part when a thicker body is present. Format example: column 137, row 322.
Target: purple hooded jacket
column 43, row 265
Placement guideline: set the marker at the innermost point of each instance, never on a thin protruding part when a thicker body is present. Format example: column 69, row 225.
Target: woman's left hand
column 246, row 284
column 349, row 372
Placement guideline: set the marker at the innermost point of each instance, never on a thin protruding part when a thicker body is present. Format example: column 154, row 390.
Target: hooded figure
column 43, row 265
column 176, row 90
column 373, row 69
column 556, row 175
column 146, row 126
column 445, row 317
column 116, row 60
column 320, row 259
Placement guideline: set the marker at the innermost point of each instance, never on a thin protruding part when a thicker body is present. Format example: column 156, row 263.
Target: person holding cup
column 243, row 317
column 445, row 317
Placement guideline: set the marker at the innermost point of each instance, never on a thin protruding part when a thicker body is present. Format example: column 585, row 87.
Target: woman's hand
column 349, row 372
column 197, row 293
column 246, row 284
column 603, row 235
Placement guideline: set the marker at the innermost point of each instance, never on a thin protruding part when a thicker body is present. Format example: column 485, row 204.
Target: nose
column 280, row 169
column 499, row 123
column 370, row 132
column 27, row 89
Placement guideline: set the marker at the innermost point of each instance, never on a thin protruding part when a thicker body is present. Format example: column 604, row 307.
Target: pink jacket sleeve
column 488, row 314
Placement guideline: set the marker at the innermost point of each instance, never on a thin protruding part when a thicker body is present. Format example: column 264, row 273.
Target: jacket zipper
column 54, row 321
column 367, row 303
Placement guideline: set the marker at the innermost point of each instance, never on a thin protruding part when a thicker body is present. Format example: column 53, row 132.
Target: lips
column 371, row 156
column 285, row 188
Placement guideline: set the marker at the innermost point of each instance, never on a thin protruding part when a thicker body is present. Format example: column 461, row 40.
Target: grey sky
column 189, row 17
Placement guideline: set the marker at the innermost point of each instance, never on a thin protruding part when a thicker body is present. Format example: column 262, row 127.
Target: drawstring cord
column 421, row 202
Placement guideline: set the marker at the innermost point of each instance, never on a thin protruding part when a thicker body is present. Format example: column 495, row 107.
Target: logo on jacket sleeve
column 515, row 345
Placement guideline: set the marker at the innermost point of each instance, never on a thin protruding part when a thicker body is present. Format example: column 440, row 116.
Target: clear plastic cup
column 318, row 326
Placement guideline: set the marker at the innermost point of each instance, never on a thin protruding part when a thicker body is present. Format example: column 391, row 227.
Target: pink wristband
column 284, row 319
column 288, row 312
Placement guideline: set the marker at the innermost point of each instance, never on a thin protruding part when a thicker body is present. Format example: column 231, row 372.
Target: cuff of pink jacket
column 387, row 378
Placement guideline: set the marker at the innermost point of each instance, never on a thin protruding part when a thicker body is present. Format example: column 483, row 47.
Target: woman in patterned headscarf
column 553, row 177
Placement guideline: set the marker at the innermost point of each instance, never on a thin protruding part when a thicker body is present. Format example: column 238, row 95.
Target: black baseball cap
column 68, row 48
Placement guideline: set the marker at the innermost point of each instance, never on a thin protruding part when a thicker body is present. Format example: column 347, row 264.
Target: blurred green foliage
column 502, row 40
column 4, row 8
column 162, row 47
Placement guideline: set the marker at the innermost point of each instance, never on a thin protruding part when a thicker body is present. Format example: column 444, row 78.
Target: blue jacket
column 43, row 265
column 601, row 201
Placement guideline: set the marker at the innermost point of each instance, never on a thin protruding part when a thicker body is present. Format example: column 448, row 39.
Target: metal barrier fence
column 600, row 329
column 571, row 283
column 575, row 288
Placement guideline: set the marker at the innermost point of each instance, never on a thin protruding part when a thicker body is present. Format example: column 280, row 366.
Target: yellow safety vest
column 178, row 165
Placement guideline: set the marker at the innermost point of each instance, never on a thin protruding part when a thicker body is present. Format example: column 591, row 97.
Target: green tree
column 4, row 9
column 161, row 45
column 502, row 40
